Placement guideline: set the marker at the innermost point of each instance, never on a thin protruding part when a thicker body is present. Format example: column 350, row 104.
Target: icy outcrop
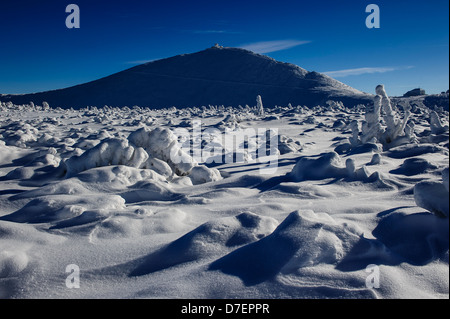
column 20, row 134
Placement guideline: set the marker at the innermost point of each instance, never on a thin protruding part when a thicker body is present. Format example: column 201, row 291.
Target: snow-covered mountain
column 215, row 76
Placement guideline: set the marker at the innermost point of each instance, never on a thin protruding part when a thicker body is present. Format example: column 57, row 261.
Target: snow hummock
column 433, row 196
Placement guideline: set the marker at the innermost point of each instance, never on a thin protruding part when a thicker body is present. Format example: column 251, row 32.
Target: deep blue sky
column 409, row 50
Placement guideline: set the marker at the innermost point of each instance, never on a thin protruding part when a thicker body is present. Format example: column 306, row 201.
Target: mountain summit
column 215, row 76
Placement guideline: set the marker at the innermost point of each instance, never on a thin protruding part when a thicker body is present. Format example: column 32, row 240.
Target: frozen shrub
column 354, row 139
column 371, row 128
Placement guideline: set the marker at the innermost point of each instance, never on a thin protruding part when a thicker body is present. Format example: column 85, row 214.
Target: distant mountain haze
column 215, row 76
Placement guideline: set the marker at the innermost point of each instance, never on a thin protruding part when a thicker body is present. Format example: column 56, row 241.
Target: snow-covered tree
column 395, row 131
column 371, row 128
column 259, row 106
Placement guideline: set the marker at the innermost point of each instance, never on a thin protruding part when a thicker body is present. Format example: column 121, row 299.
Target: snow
column 433, row 196
column 116, row 192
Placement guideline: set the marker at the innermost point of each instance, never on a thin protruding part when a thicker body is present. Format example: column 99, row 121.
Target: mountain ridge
column 214, row 76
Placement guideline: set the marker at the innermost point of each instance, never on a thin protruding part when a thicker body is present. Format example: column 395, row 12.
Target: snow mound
column 156, row 149
column 60, row 207
column 304, row 191
column 12, row 263
column 411, row 150
column 149, row 190
column 328, row 165
column 418, row 238
column 208, row 240
column 331, row 166
column 303, row 239
column 201, row 174
column 137, row 224
column 116, row 177
column 414, row 166
column 433, row 196
column 20, row 134
column 110, row 152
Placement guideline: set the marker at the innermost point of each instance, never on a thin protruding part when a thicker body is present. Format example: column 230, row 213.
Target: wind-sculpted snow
column 208, row 241
column 221, row 202
column 156, row 149
column 109, row 152
column 433, row 195
column 303, row 239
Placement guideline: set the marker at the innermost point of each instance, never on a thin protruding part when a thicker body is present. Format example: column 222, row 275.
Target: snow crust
column 117, row 192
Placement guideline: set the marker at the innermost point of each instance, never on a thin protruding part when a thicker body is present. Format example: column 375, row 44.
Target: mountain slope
column 215, row 76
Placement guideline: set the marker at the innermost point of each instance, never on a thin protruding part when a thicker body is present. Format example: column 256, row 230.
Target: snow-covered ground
column 352, row 205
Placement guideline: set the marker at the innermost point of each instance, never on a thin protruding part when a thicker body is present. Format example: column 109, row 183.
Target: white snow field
column 327, row 202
